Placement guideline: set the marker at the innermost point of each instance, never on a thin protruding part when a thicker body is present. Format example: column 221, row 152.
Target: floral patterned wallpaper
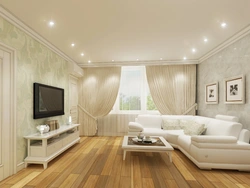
column 34, row 63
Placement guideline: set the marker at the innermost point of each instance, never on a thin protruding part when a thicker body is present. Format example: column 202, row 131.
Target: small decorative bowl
column 43, row 128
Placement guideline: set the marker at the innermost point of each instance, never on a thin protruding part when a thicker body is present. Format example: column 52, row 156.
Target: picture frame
column 235, row 90
column 211, row 93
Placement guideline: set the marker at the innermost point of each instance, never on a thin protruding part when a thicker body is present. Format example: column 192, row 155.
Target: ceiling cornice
column 242, row 33
column 19, row 24
column 139, row 63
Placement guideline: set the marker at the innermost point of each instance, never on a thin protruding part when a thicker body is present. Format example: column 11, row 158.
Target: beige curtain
column 98, row 90
column 173, row 88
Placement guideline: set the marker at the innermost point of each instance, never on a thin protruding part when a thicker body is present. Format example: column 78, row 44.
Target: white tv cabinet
column 42, row 148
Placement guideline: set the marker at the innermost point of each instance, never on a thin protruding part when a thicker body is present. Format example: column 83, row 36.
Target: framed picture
column 211, row 92
column 235, row 90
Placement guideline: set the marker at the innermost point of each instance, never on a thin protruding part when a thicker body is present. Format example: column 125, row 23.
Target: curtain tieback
column 191, row 108
column 89, row 114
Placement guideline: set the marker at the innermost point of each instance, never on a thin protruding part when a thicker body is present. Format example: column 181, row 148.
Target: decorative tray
column 143, row 141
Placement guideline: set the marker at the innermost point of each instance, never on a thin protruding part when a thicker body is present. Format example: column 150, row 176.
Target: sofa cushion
column 171, row 124
column 172, row 136
column 184, row 142
column 153, row 132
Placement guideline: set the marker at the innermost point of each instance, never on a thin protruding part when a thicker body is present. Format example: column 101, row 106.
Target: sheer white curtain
column 173, row 88
column 98, row 89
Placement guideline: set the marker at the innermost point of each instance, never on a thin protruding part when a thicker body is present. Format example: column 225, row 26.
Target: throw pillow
column 171, row 124
column 184, row 123
column 193, row 128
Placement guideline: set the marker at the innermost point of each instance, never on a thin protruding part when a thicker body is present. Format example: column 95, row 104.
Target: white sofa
column 214, row 143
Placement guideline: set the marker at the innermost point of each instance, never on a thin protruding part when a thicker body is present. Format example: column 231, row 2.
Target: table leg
column 124, row 154
column 45, row 165
column 170, row 156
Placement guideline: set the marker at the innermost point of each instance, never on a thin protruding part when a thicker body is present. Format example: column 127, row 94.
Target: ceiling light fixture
column 51, row 23
column 160, row 58
column 89, row 61
column 82, row 54
column 72, row 44
column 113, row 60
column 205, row 40
column 223, row 25
column 193, row 50
column 184, row 58
column 137, row 59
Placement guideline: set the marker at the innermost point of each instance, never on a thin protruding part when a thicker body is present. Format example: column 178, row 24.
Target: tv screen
column 48, row 101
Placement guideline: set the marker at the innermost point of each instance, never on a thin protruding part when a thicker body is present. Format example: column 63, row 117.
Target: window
column 134, row 95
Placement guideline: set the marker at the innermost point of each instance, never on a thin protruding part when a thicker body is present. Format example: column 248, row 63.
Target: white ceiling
column 127, row 30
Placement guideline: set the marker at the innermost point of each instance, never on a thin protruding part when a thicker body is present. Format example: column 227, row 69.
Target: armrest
column 135, row 125
column 214, row 139
column 244, row 136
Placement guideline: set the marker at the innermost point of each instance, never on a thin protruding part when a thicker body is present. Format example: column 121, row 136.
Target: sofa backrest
column 219, row 127
column 149, row 121
column 180, row 117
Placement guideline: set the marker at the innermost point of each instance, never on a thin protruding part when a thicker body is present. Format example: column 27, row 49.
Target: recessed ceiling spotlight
column 193, row 50
column 137, row 59
column 82, row 54
column 160, row 58
column 184, row 58
column 205, row 39
column 51, row 23
column 113, row 60
column 223, row 25
column 72, row 44
column 89, row 61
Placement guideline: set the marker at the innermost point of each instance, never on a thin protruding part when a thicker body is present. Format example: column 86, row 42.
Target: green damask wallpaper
column 35, row 63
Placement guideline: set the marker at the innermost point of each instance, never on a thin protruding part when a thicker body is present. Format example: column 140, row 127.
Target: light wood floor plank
column 171, row 184
column 69, row 181
column 46, row 181
column 25, row 180
column 147, row 182
column 91, row 181
column 136, row 172
column 98, row 162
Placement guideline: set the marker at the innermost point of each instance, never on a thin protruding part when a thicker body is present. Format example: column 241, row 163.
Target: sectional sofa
column 211, row 143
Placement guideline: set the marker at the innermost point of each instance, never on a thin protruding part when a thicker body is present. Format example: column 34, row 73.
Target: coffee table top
column 160, row 144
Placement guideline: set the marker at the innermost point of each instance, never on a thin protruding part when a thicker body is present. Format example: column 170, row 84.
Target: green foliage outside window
column 150, row 103
column 130, row 103
column 134, row 103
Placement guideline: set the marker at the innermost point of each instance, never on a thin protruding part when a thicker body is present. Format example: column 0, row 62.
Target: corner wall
column 232, row 61
column 34, row 63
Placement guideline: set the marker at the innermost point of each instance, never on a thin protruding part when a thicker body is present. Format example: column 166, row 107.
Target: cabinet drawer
column 53, row 148
column 36, row 151
column 70, row 138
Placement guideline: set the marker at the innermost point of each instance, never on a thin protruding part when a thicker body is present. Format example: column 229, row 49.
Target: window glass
column 134, row 95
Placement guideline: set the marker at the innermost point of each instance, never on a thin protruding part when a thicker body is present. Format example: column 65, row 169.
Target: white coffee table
column 160, row 146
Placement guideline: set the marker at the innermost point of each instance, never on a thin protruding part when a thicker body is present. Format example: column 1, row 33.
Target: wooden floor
column 97, row 162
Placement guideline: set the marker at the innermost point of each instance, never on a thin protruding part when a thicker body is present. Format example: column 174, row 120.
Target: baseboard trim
column 20, row 166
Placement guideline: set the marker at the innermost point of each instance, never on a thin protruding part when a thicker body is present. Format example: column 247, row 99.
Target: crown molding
column 138, row 63
column 19, row 24
column 242, row 33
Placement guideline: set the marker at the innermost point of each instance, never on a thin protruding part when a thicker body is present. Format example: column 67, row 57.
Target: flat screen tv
column 48, row 101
